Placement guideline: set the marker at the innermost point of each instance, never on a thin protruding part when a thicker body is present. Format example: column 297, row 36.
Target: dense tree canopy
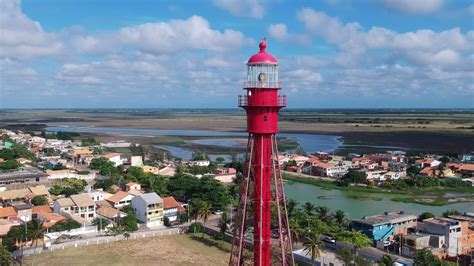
column 68, row 186
column 39, row 200
column 105, row 167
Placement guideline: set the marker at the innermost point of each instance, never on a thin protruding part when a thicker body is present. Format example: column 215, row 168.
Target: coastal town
column 58, row 187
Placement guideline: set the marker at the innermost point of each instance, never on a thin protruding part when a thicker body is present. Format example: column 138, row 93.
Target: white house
column 114, row 157
column 81, row 205
column 120, row 199
column 394, row 175
column 136, row 161
column 117, row 144
column 330, row 170
column 171, row 208
column 133, row 186
column 199, row 163
column 149, row 209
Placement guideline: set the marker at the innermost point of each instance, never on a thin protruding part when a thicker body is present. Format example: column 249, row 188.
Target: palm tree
column 441, row 168
column 224, row 224
column 194, row 208
column 386, row 260
column 308, row 208
column 340, row 217
column 323, row 213
column 291, row 206
column 345, row 255
column 204, row 213
column 37, row 231
column 296, row 231
column 313, row 244
column 126, row 235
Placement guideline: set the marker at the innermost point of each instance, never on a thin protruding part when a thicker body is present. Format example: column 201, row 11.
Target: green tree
column 361, row 261
column 345, row 255
column 312, row 245
column 23, row 152
column 101, row 223
column 65, row 225
column 296, row 231
column 10, row 165
column 5, row 256
column 309, row 208
column 323, row 213
column 451, row 213
column 220, row 159
column 166, row 221
column 104, row 184
column 204, row 213
column 426, row 258
column 37, row 231
column 212, row 191
column 224, row 224
column 340, row 217
column 126, row 235
column 355, row 177
column 182, row 187
column 426, row 215
column 105, row 167
column 413, row 170
column 358, row 239
column 444, row 159
column 158, row 184
column 7, row 154
column 291, row 205
column 195, row 228
column 194, row 207
column 129, row 222
column 39, row 200
column 386, row 260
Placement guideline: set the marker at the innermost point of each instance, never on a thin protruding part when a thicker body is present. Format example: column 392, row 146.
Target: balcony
column 243, row 101
column 264, row 84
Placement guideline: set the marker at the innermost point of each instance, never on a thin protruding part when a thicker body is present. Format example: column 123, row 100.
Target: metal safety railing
column 263, row 84
column 244, row 101
column 281, row 101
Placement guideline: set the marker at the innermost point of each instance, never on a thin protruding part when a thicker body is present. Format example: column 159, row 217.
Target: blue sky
column 184, row 54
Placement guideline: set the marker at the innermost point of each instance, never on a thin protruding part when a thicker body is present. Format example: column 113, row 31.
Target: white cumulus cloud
column 177, row 35
column 243, row 8
column 414, row 6
column 21, row 37
column 279, row 32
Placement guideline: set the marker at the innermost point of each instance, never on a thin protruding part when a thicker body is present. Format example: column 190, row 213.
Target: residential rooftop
column 388, row 217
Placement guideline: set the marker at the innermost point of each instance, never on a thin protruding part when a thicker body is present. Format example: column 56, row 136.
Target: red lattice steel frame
column 281, row 249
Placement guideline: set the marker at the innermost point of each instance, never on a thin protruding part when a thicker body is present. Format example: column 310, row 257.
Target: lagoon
column 310, row 142
column 359, row 204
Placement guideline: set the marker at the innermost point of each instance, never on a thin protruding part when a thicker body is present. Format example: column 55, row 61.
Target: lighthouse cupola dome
column 262, row 57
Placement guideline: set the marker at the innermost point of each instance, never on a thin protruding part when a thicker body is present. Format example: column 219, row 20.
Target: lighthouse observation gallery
column 261, row 192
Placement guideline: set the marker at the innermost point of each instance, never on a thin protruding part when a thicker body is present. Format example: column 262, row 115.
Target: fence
column 97, row 241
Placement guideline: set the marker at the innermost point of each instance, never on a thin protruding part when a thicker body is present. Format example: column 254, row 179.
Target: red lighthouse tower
column 261, row 194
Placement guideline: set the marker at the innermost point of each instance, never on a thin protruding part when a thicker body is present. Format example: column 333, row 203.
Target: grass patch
column 167, row 250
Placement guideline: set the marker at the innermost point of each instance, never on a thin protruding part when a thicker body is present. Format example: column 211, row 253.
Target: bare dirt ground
column 168, row 250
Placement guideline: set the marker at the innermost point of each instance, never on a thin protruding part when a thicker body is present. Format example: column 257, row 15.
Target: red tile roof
column 466, row 167
column 7, row 212
column 110, row 155
column 170, row 202
column 118, row 196
column 41, row 208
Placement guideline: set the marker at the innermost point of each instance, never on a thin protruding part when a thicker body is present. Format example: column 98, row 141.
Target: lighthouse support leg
column 262, row 170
